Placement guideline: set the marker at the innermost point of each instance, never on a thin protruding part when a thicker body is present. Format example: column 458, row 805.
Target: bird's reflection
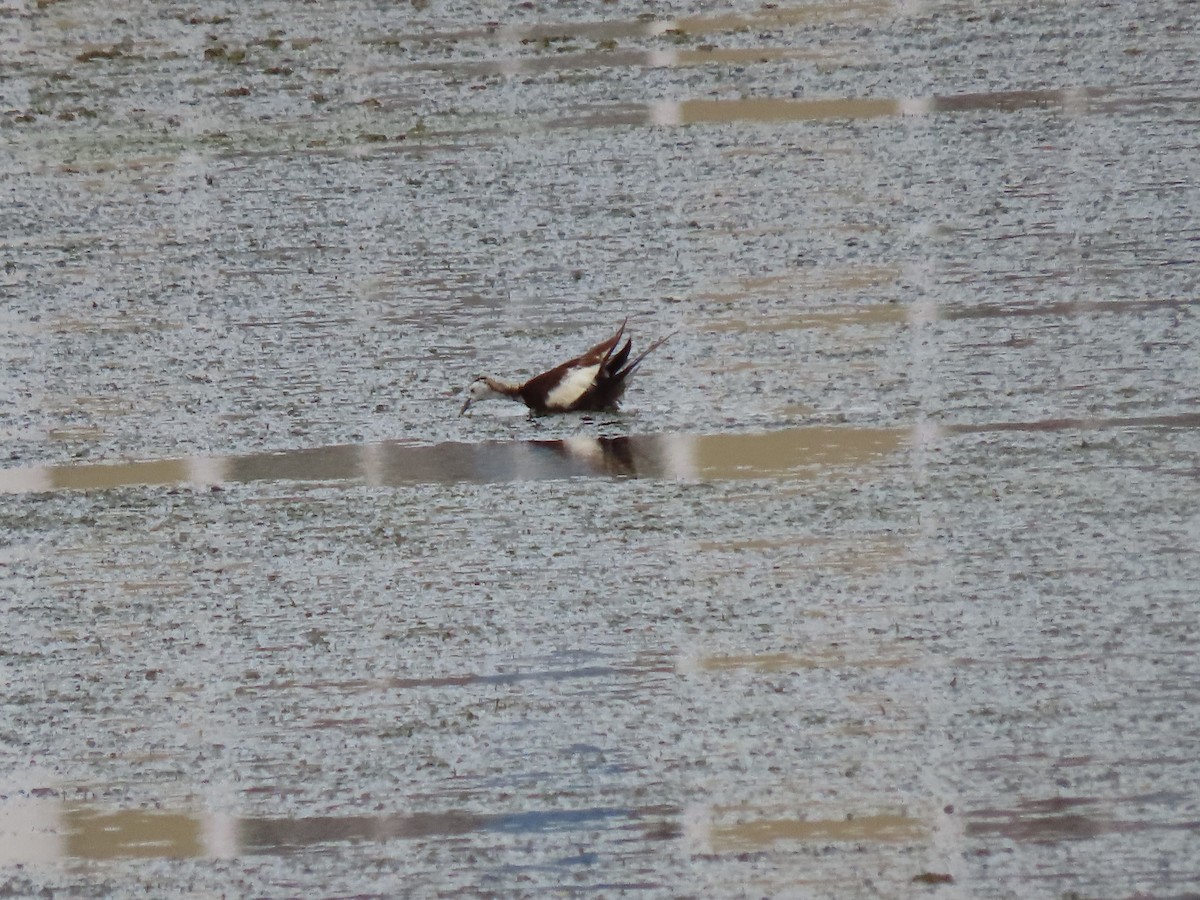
column 784, row 453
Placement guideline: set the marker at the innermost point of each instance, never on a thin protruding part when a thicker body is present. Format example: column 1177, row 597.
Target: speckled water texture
column 883, row 584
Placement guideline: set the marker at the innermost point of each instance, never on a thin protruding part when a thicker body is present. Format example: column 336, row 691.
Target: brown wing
column 608, row 390
column 536, row 389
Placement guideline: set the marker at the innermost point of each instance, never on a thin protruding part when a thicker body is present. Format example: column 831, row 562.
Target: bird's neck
column 505, row 388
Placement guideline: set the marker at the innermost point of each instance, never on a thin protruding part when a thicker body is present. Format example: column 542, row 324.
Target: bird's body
column 592, row 381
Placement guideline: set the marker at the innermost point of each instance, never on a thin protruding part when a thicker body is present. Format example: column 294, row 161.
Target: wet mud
column 882, row 583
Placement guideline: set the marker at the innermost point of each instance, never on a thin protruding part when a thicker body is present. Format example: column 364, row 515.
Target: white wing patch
column 574, row 385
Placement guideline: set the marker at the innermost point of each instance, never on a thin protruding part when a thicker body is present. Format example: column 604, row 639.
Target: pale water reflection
column 789, row 454
column 1071, row 101
column 48, row 830
column 755, row 834
column 786, row 453
column 822, row 658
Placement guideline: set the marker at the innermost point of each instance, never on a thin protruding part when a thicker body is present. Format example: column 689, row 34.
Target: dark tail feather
column 628, row 370
column 616, row 340
column 618, row 359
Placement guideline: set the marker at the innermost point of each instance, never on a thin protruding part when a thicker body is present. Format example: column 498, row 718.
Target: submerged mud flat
column 882, row 584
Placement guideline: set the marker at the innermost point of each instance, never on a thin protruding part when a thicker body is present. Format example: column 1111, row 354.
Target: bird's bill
column 465, row 406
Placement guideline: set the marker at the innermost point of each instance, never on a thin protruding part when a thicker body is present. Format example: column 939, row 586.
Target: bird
column 593, row 381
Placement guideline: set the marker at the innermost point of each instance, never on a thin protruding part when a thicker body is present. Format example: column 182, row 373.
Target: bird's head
column 483, row 388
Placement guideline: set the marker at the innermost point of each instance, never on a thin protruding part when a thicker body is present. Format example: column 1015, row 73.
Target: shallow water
column 882, row 583
column 786, row 453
